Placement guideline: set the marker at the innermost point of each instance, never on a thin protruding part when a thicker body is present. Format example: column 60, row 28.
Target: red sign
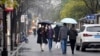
column 9, row 5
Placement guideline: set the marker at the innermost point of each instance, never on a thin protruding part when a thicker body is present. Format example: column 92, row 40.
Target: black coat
column 56, row 32
column 72, row 34
column 42, row 38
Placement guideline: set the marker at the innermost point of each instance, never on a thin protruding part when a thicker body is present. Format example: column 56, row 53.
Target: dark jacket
column 50, row 33
column 41, row 36
column 56, row 32
column 72, row 34
column 63, row 32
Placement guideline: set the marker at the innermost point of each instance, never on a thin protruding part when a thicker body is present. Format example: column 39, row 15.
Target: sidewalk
column 33, row 49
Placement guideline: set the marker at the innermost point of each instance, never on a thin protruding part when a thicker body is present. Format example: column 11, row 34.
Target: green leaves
column 9, row 3
column 74, row 9
column 79, row 8
column 15, row 4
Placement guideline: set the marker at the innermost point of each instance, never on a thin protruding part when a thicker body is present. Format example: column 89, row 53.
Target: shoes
column 49, row 50
column 42, row 50
column 72, row 52
column 64, row 53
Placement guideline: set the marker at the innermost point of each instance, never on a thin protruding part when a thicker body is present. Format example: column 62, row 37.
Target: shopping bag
column 43, row 46
column 58, row 45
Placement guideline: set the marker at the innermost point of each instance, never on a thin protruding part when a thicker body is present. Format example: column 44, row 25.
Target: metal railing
column 18, row 49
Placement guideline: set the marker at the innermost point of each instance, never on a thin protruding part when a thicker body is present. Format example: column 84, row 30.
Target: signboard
column 90, row 17
column 22, row 18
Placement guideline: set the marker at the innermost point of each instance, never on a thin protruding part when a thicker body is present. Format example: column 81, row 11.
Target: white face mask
column 49, row 27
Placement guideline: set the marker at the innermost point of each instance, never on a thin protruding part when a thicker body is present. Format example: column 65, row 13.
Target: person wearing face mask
column 50, row 33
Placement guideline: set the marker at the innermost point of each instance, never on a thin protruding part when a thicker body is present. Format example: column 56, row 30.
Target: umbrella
column 45, row 22
column 69, row 20
column 59, row 23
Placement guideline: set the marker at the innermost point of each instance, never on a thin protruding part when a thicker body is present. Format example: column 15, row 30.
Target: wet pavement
column 33, row 49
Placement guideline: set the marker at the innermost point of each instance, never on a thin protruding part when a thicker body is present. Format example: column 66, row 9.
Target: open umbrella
column 69, row 20
column 59, row 23
column 45, row 22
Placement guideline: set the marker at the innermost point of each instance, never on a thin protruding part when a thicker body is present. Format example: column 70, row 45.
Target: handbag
column 58, row 45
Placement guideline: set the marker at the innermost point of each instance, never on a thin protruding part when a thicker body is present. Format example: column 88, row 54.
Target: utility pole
column 6, row 8
column 5, row 51
column 12, row 29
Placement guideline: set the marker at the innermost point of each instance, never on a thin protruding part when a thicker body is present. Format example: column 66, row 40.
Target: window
column 93, row 29
column 82, row 29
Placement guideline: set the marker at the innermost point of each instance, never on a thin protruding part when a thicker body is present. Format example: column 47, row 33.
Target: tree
column 9, row 3
column 55, row 14
column 74, row 9
column 92, row 5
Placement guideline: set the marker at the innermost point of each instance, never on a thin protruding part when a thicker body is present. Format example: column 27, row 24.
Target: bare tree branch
column 92, row 5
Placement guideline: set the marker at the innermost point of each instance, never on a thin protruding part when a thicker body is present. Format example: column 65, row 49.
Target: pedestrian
column 63, row 37
column 41, row 39
column 50, row 33
column 72, row 37
column 34, row 31
column 56, row 31
column 24, row 38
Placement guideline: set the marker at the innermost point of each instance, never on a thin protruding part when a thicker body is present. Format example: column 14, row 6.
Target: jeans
column 63, row 45
column 50, row 43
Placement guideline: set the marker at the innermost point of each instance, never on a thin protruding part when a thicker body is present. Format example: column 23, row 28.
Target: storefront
column 91, row 19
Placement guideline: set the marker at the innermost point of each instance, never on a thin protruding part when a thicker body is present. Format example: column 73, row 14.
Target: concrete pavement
column 33, row 49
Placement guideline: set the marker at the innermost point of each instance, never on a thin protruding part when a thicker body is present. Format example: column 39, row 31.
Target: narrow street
column 33, row 49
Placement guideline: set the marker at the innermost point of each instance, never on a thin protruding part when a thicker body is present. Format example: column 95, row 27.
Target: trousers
column 50, row 43
column 63, row 45
column 72, row 44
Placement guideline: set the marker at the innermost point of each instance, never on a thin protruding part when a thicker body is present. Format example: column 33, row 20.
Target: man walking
column 63, row 37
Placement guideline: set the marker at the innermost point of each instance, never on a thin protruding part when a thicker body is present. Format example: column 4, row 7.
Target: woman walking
column 41, row 37
column 56, row 31
column 50, row 33
column 72, row 37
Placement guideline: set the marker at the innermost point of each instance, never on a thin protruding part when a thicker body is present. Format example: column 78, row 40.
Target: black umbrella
column 45, row 22
column 59, row 24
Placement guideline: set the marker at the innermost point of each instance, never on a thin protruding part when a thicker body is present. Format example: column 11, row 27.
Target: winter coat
column 72, row 34
column 41, row 36
column 50, row 33
column 56, row 31
column 63, row 32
